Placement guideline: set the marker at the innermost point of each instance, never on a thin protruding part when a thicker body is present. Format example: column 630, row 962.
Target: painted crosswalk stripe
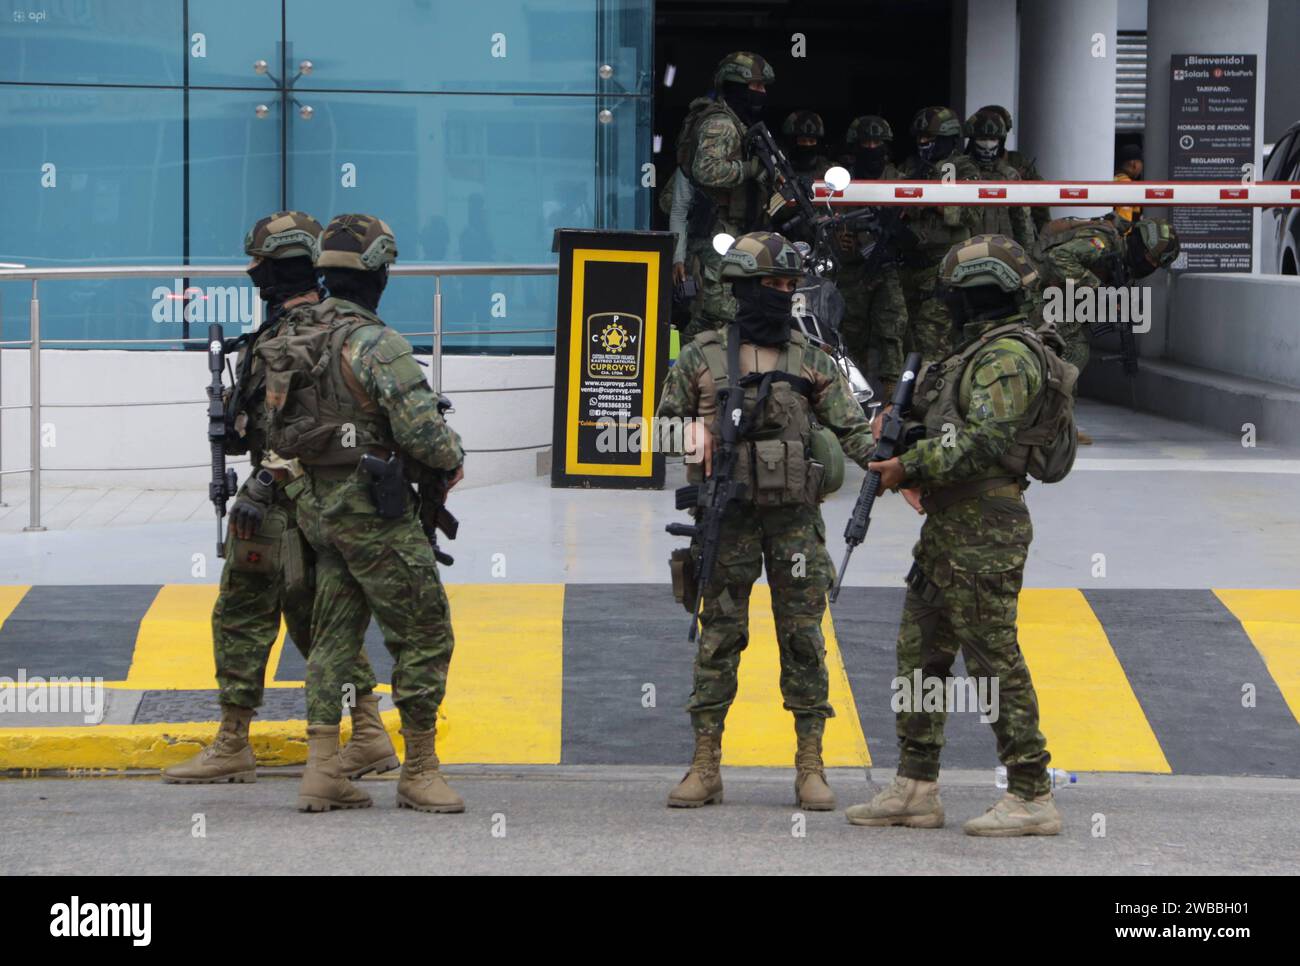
column 1271, row 619
column 1089, row 713
column 173, row 648
column 759, row 730
column 11, row 597
column 505, row 686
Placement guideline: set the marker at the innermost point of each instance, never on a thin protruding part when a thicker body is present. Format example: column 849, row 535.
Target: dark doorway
column 860, row 57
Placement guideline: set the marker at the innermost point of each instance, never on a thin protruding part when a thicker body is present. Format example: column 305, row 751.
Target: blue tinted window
column 419, row 45
column 91, row 41
column 92, row 176
column 235, row 35
column 459, row 178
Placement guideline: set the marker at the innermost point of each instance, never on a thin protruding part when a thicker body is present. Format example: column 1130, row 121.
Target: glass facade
column 158, row 131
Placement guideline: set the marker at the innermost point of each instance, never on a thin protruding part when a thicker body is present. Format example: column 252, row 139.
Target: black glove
column 252, row 505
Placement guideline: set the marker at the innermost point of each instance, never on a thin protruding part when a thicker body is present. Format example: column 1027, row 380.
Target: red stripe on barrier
column 1074, row 193
column 993, row 192
column 1233, row 193
column 909, row 192
column 1159, row 193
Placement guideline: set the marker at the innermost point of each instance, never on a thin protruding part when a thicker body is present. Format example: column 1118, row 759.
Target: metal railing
column 34, row 343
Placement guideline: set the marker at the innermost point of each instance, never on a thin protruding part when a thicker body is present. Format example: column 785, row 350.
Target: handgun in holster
column 388, row 489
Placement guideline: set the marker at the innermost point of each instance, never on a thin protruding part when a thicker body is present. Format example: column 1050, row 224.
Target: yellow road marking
column 11, row 597
column 506, row 682
column 173, row 649
column 759, row 730
column 1271, row 619
column 1089, row 713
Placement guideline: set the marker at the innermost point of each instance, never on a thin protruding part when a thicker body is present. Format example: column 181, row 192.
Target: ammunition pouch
column 297, row 562
column 260, row 553
column 685, row 584
column 783, row 475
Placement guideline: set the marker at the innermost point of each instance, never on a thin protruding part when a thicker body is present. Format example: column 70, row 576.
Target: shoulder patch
column 1097, row 243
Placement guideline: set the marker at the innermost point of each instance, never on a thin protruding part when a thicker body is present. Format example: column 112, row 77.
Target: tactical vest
column 248, row 402
column 1047, row 440
column 317, row 410
column 733, row 204
column 785, row 455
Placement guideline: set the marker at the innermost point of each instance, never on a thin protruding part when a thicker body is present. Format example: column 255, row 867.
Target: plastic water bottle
column 1059, row 777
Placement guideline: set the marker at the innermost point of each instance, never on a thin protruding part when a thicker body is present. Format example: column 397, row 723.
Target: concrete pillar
column 1067, row 90
column 988, row 75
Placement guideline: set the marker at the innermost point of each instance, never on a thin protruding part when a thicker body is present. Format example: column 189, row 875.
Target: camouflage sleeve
column 891, row 322
column 717, row 141
column 1074, row 260
column 681, row 395
column 838, row 411
column 679, row 212
column 388, row 372
column 1005, row 381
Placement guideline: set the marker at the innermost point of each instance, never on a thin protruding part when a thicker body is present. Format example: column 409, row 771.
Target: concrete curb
column 115, row 748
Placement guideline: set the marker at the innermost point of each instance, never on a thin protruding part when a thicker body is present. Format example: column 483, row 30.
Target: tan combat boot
column 228, row 759
column 907, row 801
column 421, row 785
column 1014, row 815
column 702, row 785
column 1084, row 439
column 369, row 749
column 324, row 785
column 810, row 789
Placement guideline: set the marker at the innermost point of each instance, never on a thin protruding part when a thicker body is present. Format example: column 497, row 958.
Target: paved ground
column 587, row 820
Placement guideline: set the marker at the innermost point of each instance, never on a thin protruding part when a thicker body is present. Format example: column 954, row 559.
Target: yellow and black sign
column 611, row 352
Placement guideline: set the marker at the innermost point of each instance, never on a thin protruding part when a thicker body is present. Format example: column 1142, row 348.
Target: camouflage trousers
column 875, row 321
column 246, row 621
column 714, row 305
column 365, row 565
column 929, row 323
column 791, row 542
column 963, row 595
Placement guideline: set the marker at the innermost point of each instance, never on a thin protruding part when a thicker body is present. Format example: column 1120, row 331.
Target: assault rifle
column 224, row 482
column 721, row 488
column 434, row 515
column 893, row 440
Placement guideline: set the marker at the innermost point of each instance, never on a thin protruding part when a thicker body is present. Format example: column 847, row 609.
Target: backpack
column 317, row 411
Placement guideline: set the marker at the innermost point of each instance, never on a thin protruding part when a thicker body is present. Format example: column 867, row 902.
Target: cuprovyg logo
column 78, row 920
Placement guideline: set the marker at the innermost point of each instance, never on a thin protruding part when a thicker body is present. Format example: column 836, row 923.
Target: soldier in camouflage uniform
column 1093, row 253
column 986, row 133
column 938, row 144
column 780, row 524
column 875, row 312
column 968, row 474
column 255, row 587
column 1024, row 166
column 730, row 185
column 805, row 138
column 371, row 552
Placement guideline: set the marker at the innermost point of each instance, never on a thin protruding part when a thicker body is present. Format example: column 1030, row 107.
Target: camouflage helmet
column 285, row 234
column 999, row 110
column 743, row 67
column 1159, row 239
column 804, row 124
column 987, row 260
column 986, row 124
column 868, row 127
column 936, row 122
column 761, row 253
column 361, row 242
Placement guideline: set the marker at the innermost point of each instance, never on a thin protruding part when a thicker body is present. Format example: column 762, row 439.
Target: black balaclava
column 870, row 162
column 280, row 279
column 747, row 104
column 979, row 303
column 938, row 149
column 363, row 288
column 762, row 312
column 803, row 155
